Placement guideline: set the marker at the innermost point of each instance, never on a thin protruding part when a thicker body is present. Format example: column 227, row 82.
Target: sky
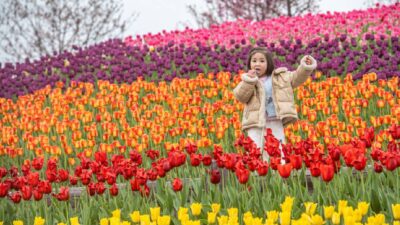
column 157, row 15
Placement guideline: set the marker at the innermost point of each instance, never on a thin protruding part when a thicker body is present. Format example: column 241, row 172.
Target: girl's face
column 258, row 63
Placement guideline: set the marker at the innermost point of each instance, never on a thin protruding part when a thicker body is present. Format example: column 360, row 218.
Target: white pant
column 257, row 135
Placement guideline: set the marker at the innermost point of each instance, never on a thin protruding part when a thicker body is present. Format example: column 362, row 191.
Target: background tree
column 371, row 3
column 33, row 28
column 219, row 11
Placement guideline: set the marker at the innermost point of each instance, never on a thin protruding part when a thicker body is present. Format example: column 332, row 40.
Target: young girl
column 268, row 95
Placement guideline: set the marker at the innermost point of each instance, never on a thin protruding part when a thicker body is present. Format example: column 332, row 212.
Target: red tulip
column 33, row 179
column 376, row 154
column 101, row 157
column 63, row 175
column 195, row 159
column 207, row 160
column 98, row 118
column 100, row 188
column 327, row 172
column 315, row 169
column 37, row 195
column 37, row 163
column 26, row 192
column 26, row 168
column 114, row 190
column 73, row 180
column 152, row 154
column 135, row 157
column 394, row 130
column 51, row 175
column 86, row 176
column 378, row 167
column 52, row 164
column 63, row 195
column 296, row 161
column 242, row 175
column 191, row 148
column 262, row 168
column 391, row 162
column 360, row 162
column 152, row 174
column 15, row 197
column 166, row 166
column 177, row 185
column 160, row 171
column 274, row 162
column 135, row 186
column 334, row 152
column 91, row 189
column 253, row 164
column 4, row 187
column 13, row 171
column 3, row 172
column 285, row 170
column 215, row 177
column 44, row 187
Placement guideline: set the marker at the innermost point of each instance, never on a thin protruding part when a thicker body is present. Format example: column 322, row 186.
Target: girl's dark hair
column 268, row 56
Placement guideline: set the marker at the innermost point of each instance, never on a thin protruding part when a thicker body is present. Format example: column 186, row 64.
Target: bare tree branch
column 34, row 28
column 219, row 11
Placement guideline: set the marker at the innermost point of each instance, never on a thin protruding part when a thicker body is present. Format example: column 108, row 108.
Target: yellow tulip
column 155, row 213
column 145, row 219
column 363, row 206
column 336, row 218
column 181, row 212
column 1, row 222
column 215, row 207
column 380, row 218
column 211, row 216
column 115, row 221
column 126, row 223
column 349, row 220
column 222, row 219
column 135, row 216
column 342, row 206
column 273, row 215
column 116, row 213
column 348, row 211
column 38, row 221
column 328, row 212
column 396, row 211
column 285, row 218
column 184, row 218
column 61, row 224
column 104, row 221
column 310, row 207
column 247, row 214
column 357, row 214
column 18, row 222
column 196, row 208
column 287, row 205
column 394, row 223
column 317, row 220
column 164, row 220
column 233, row 212
column 74, row 220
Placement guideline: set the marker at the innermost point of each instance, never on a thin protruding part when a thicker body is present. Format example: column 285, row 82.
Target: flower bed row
column 382, row 20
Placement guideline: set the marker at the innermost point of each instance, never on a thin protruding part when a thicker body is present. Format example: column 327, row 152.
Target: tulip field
column 146, row 130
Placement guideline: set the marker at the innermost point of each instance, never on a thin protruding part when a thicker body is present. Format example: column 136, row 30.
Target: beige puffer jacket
column 250, row 91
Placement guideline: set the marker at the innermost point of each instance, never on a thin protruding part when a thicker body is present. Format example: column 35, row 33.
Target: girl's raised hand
column 308, row 60
column 252, row 73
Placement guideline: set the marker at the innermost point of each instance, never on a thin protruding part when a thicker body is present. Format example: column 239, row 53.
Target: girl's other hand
column 308, row 60
column 252, row 73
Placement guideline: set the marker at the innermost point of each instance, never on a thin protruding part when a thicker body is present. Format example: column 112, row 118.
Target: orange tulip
column 380, row 103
